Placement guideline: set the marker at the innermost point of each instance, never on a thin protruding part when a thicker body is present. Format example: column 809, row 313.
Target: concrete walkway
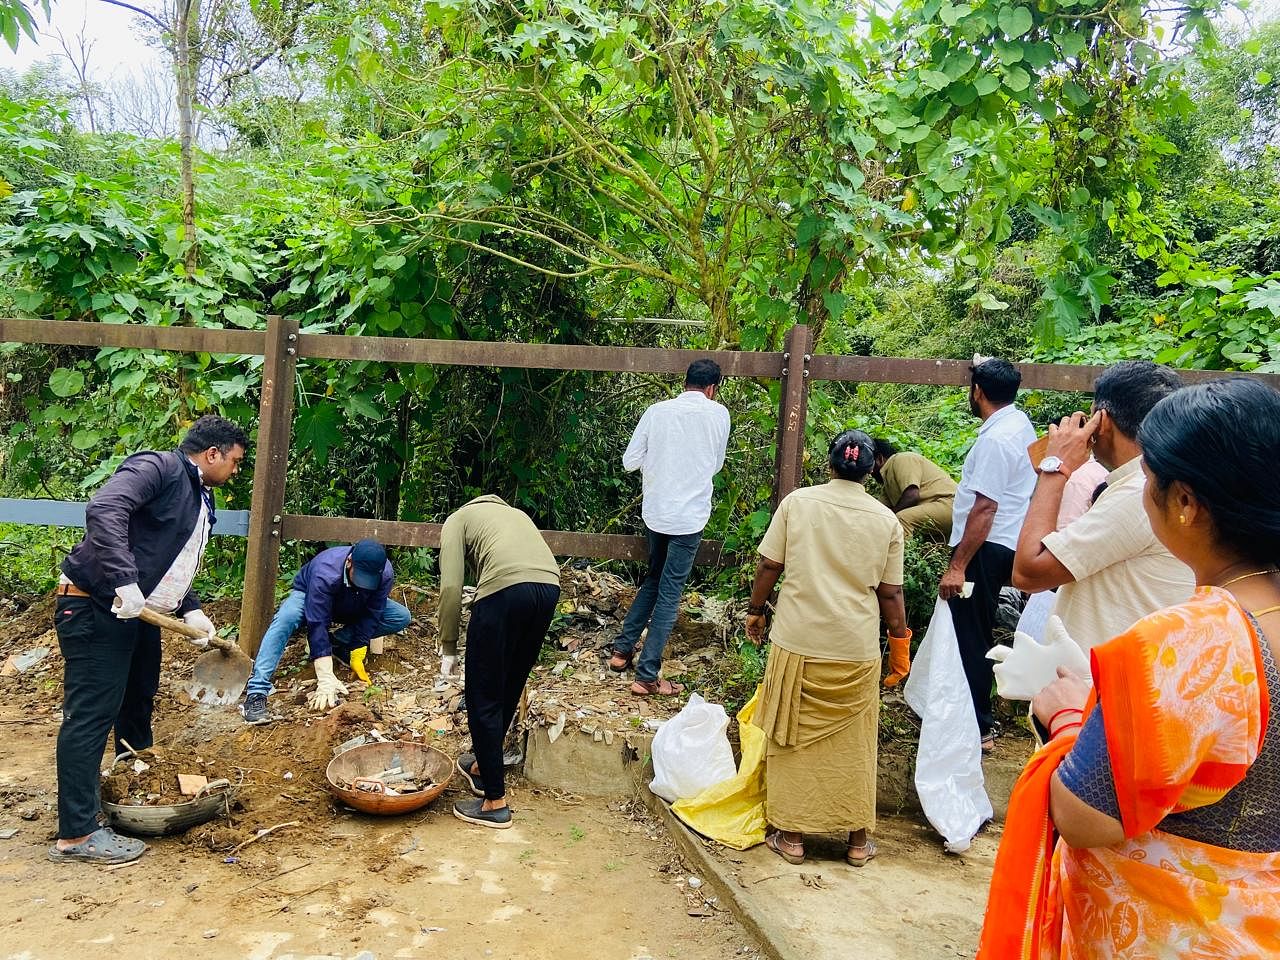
column 912, row 901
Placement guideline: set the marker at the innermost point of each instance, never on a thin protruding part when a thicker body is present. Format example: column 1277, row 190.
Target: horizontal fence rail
column 282, row 345
column 69, row 513
column 563, row 543
column 400, row 533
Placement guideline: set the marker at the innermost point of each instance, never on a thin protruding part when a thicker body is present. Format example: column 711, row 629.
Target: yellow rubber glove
column 357, row 663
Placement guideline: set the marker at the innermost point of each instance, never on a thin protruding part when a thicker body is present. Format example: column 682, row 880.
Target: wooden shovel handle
column 177, row 626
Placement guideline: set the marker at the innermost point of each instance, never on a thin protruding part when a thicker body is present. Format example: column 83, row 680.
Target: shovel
column 217, row 677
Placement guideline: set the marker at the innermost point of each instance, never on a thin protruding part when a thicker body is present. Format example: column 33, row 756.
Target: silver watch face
column 1051, row 465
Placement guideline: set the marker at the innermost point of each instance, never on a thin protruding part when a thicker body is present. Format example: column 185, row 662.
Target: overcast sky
column 116, row 48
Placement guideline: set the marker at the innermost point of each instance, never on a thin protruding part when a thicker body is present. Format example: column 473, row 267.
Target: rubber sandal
column 774, row 842
column 661, row 688
column 103, row 846
column 621, row 662
column 463, row 763
column 869, row 851
column 989, row 743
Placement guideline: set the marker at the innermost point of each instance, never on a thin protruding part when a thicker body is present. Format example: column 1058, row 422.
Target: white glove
column 196, row 618
column 327, row 685
column 131, row 601
column 1027, row 667
column 447, row 664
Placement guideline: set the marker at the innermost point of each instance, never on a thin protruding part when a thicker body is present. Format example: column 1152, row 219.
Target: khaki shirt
column 838, row 543
column 1122, row 572
column 500, row 547
column 904, row 470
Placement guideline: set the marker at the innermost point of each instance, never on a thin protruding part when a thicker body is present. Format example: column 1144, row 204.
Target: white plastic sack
column 1035, row 615
column 949, row 777
column 691, row 751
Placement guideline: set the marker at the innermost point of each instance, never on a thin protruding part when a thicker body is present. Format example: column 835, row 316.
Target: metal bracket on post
column 793, row 408
column 271, row 465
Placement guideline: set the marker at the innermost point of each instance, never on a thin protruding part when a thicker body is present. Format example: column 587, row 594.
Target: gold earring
column 1182, row 519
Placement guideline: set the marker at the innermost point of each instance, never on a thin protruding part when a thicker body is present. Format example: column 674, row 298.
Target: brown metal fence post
column 271, row 462
column 793, row 406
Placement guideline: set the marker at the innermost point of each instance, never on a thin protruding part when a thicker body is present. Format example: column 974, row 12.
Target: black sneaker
column 254, row 709
column 472, row 811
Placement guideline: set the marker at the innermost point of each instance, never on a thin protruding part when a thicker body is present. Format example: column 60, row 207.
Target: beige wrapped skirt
column 822, row 721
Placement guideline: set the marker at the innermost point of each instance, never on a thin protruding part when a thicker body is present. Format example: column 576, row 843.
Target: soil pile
column 150, row 777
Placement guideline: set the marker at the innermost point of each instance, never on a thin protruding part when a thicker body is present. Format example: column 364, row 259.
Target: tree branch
column 167, row 28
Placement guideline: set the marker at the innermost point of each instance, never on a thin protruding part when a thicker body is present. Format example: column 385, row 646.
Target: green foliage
column 1082, row 181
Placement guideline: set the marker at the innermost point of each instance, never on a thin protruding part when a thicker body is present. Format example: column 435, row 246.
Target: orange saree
column 1185, row 708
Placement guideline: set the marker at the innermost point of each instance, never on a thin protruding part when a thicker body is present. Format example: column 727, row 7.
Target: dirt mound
column 150, row 777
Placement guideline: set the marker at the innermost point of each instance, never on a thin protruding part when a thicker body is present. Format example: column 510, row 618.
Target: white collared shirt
column 999, row 468
column 678, row 446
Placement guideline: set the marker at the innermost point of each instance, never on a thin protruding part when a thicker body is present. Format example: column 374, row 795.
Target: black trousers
column 990, row 569
column 111, row 672
column 503, row 640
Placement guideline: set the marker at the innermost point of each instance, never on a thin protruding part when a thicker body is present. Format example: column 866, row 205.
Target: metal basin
column 213, row 800
column 418, row 761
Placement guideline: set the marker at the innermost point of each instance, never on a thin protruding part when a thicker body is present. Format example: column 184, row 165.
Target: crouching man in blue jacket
column 347, row 585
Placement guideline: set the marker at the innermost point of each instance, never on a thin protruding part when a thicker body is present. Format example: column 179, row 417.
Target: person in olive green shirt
column 919, row 491
column 517, row 585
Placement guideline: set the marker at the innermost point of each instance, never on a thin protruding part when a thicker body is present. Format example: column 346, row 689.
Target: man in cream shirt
column 678, row 447
column 1109, row 566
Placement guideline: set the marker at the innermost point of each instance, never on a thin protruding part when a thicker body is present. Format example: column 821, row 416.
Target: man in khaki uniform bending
column 919, row 491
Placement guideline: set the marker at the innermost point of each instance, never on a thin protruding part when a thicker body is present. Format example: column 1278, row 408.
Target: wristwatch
column 1054, row 465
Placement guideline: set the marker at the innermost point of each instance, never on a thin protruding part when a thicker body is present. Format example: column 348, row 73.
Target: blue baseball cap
column 368, row 560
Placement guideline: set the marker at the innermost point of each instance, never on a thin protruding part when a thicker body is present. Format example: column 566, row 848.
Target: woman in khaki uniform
column 820, row 704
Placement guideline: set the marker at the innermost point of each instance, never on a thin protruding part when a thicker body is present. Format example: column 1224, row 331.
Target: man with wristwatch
column 1108, row 566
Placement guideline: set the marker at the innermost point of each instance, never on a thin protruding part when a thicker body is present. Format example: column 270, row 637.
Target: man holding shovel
column 347, row 585
column 146, row 530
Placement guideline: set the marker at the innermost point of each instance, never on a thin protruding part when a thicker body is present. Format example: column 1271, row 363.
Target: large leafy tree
column 756, row 158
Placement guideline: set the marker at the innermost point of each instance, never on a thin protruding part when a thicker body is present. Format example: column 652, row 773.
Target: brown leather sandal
column 621, row 662
column 662, row 688
column 777, row 843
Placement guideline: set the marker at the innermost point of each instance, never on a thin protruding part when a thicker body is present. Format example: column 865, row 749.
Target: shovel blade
column 219, row 678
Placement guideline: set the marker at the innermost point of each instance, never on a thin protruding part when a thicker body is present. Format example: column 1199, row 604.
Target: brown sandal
column 775, row 841
column 868, row 854
column 663, row 688
column 621, row 662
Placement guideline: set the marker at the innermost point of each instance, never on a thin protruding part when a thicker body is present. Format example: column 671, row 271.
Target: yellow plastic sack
column 732, row 811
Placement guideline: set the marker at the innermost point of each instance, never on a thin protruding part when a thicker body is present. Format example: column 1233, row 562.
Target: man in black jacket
column 145, row 533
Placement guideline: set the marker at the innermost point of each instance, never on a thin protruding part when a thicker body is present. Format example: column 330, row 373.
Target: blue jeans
column 657, row 601
column 395, row 617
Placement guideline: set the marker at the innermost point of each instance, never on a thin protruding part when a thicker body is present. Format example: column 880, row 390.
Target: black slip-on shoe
column 472, row 811
column 472, row 780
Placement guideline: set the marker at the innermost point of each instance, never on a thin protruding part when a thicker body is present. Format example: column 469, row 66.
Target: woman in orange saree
column 1149, row 825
